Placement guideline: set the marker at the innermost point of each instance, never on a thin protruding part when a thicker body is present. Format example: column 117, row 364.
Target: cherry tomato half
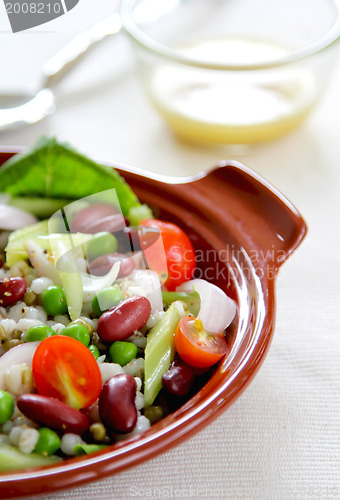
column 196, row 346
column 179, row 263
column 63, row 368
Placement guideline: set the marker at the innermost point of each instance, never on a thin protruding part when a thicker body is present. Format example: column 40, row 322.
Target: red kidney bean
column 110, row 224
column 128, row 240
column 89, row 215
column 117, row 407
column 200, row 371
column 148, row 236
column 179, row 378
column 133, row 239
column 121, row 321
column 52, row 413
column 98, row 217
column 12, row 290
column 102, row 264
column 92, row 413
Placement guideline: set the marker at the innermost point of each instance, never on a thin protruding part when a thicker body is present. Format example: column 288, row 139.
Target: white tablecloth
column 281, row 439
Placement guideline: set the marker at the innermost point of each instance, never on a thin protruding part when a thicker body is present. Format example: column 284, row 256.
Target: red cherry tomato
column 196, row 346
column 63, row 368
column 172, row 255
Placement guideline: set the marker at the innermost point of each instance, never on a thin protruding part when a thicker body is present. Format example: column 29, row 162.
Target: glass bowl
column 242, row 230
column 233, row 71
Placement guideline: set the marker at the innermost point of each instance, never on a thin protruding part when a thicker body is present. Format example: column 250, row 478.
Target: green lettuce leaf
column 55, row 170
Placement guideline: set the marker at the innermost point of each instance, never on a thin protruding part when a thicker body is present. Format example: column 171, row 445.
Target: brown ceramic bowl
column 243, row 230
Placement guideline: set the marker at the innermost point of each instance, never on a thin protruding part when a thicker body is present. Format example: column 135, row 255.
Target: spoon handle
column 67, row 58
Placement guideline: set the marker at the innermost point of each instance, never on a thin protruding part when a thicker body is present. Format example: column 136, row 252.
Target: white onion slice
column 41, row 262
column 150, row 285
column 93, row 284
column 22, row 353
column 217, row 310
column 44, row 266
column 12, row 218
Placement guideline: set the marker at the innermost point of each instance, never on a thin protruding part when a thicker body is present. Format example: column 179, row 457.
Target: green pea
column 100, row 244
column 106, row 298
column 136, row 214
column 6, row 406
column 78, row 332
column 122, row 352
column 95, row 351
column 153, row 413
column 39, row 332
column 54, row 300
column 48, row 442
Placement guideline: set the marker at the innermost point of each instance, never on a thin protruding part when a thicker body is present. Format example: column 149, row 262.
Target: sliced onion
column 12, row 218
column 41, row 262
column 150, row 285
column 93, row 284
column 5, row 198
column 217, row 310
column 45, row 267
column 22, row 353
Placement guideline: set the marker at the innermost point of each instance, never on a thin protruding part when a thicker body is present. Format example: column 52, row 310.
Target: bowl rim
column 176, row 428
column 134, row 30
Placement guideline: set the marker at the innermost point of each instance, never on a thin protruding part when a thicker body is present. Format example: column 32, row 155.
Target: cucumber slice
column 192, row 300
column 12, row 459
column 61, row 246
column 86, row 449
column 160, row 351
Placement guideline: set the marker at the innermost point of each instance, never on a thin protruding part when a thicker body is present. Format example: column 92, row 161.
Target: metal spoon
column 20, row 110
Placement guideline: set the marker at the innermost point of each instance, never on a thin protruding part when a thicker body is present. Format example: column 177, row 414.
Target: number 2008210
column 33, row 8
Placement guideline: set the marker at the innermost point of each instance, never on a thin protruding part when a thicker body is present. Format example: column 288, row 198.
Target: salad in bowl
column 136, row 308
column 103, row 325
